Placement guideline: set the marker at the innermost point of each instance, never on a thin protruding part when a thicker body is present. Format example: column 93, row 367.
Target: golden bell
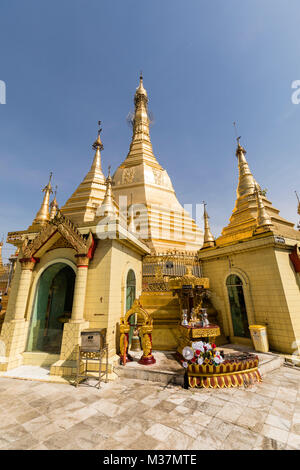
column 135, row 344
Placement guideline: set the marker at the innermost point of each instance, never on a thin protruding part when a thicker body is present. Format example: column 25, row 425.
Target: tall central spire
column 148, row 191
column 246, row 183
column 141, row 119
column 141, row 148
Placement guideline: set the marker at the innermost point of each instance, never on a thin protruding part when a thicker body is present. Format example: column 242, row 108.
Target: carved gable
column 59, row 232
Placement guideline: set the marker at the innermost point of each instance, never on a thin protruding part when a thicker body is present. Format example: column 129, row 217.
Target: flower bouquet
column 206, row 367
column 201, row 353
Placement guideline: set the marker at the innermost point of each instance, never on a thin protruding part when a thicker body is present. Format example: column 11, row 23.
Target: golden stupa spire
column 83, row 204
column 141, row 120
column 253, row 213
column 263, row 219
column 108, row 207
column 246, row 184
column 97, row 146
column 208, row 239
column 140, row 150
column 53, row 205
column 43, row 216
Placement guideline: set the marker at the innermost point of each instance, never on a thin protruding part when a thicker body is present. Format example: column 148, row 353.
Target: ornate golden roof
column 208, row 237
column 263, row 219
column 108, row 206
column 82, row 205
column 43, row 216
column 253, row 213
column 53, row 206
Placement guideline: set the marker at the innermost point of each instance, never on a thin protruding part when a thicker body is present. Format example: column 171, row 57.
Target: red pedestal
column 147, row 360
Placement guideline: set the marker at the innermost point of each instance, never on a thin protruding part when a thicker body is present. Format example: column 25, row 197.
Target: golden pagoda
column 82, row 205
column 252, row 278
column 150, row 199
column 83, row 267
column 250, row 200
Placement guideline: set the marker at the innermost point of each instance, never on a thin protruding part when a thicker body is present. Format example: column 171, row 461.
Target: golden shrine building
column 118, row 241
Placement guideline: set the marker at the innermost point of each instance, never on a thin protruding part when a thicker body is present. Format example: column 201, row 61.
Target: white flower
column 218, row 358
column 208, row 346
column 198, row 345
column 200, row 361
column 188, row 353
column 185, row 364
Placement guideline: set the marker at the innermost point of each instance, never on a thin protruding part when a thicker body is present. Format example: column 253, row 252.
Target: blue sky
column 67, row 64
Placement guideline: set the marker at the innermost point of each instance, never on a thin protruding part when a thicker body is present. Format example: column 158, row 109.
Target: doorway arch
column 52, row 308
column 238, row 310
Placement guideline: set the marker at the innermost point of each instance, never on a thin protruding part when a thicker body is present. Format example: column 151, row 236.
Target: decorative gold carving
column 190, row 280
column 82, row 260
column 128, row 175
column 145, row 332
column 158, row 177
column 27, row 263
column 158, row 269
column 69, row 233
column 61, row 243
column 194, row 333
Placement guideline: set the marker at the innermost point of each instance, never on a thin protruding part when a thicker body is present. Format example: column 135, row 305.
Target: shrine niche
column 143, row 325
column 191, row 291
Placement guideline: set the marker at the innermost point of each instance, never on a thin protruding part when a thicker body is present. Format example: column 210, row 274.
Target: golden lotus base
column 238, row 379
column 233, row 373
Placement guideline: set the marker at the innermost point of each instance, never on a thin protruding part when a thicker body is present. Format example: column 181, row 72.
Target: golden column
column 80, row 289
column 14, row 330
column 27, row 265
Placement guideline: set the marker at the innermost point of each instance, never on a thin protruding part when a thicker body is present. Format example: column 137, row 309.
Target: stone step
column 150, row 375
column 275, row 362
column 158, row 372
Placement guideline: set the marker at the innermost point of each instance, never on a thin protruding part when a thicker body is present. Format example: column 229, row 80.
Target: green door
column 237, row 306
column 53, row 303
column 130, row 298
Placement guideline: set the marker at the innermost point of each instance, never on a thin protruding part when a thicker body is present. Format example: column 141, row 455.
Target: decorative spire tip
column 98, row 144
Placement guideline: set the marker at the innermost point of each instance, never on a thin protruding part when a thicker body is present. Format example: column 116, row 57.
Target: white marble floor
column 135, row 414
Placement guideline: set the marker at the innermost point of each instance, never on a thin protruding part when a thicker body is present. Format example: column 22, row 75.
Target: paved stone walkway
column 134, row 414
